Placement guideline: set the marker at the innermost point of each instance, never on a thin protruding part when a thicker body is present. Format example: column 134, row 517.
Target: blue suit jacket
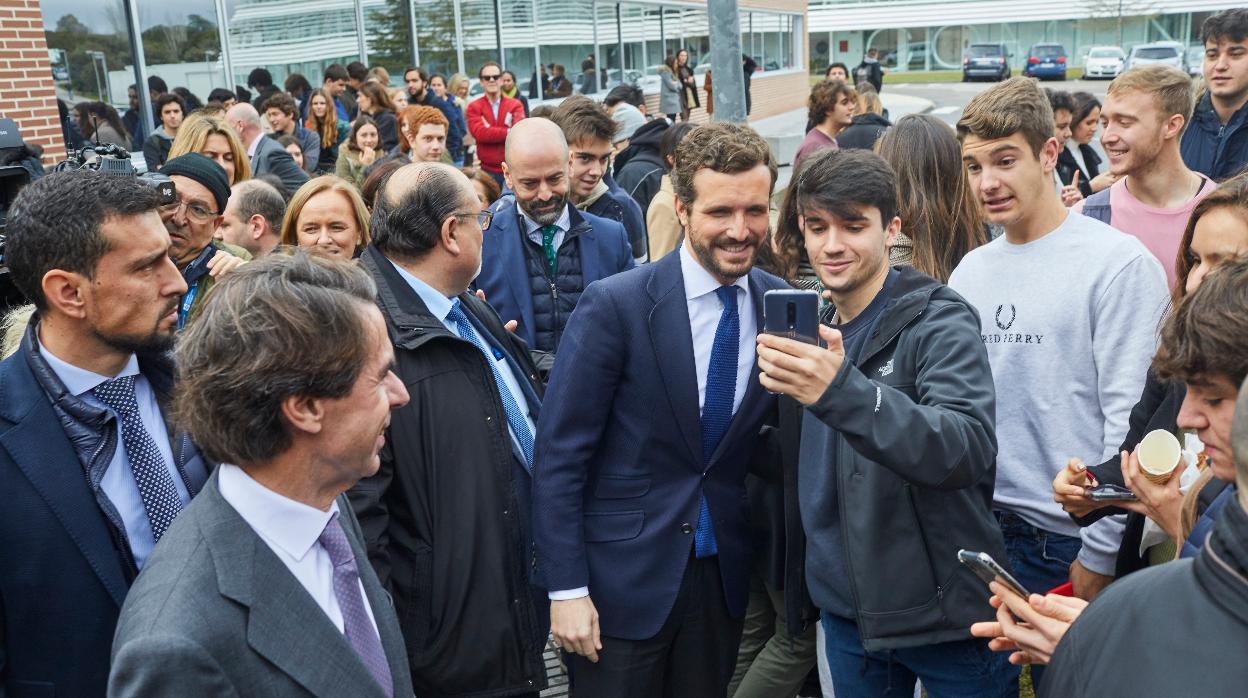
column 618, row 469
column 505, row 277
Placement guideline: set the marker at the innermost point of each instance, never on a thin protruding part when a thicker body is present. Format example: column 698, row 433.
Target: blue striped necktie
column 515, row 416
column 721, row 388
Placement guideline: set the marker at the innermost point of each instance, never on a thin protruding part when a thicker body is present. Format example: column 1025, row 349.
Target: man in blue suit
column 91, row 471
column 541, row 252
column 648, row 424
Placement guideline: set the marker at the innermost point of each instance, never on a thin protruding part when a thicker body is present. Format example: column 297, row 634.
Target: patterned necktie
column 359, row 632
column 515, row 416
column 548, row 246
column 721, row 388
column 151, row 472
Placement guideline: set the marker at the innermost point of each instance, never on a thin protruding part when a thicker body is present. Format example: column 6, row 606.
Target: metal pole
column 725, row 36
column 619, row 40
column 411, row 22
column 223, row 31
column 593, row 9
column 146, row 126
column 360, row 34
column 537, row 53
column 498, row 37
column 459, row 37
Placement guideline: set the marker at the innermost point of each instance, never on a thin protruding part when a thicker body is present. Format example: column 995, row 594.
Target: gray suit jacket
column 272, row 158
column 216, row 613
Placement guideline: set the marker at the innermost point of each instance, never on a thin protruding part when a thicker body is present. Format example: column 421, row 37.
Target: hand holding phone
column 988, row 570
column 793, row 314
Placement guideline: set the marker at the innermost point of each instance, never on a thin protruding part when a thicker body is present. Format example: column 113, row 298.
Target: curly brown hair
column 823, row 99
column 721, row 147
column 1207, row 334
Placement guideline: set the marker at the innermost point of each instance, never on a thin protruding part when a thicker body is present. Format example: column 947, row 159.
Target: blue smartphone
column 793, row 314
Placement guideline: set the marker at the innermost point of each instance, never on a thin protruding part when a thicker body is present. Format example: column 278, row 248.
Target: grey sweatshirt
column 1070, row 324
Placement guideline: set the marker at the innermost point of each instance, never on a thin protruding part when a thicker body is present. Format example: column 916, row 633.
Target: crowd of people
column 397, row 390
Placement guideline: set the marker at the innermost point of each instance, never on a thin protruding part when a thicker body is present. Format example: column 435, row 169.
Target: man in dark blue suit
column 541, row 252
column 652, row 413
column 92, row 473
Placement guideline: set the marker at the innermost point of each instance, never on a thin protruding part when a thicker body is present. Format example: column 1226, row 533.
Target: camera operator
column 203, row 189
column 92, row 473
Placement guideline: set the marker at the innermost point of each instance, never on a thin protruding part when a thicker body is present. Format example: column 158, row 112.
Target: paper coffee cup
column 1158, row 453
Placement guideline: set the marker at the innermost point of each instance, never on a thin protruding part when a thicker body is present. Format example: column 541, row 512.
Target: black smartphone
column 793, row 314
column 1109, row 492
column 988, row 570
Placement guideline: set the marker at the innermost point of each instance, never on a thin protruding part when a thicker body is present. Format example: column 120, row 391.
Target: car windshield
column 1047, row 51
column 1105, row 53
column 1157, row 52
column 979, row 51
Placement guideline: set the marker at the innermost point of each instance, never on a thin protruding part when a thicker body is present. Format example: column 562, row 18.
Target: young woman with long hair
column 323, row 120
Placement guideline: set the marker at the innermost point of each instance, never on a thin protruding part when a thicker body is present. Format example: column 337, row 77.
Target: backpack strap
column 1097, row 206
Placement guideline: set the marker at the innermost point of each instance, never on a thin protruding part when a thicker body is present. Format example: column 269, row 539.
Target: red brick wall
column 27, row 93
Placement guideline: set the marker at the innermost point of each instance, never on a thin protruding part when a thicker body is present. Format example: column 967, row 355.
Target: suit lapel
column 284, row 624
column 673, row 349
column 379, row 600
column 512, row 256
column 41, row 450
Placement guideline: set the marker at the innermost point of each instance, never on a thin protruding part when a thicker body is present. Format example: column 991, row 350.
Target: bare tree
column 1117, row 10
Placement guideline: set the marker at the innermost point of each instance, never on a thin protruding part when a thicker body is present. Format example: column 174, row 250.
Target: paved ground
column 949, row 98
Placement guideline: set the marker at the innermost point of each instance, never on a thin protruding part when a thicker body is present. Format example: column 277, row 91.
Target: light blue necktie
column 151, row 473
column 721, row 388
column 515, row 416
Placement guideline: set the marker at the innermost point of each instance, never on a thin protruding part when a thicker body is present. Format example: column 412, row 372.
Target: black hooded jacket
column 639, row 167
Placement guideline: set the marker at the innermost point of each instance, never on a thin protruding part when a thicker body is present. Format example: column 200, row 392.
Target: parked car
column 1195, row 61
column 1104, row 62
column 1166, row 52
column 1046, row 61
column 986, row 61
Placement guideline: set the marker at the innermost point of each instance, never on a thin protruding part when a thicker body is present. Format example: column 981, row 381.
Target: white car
column 1169, row 53
column 1104, row 62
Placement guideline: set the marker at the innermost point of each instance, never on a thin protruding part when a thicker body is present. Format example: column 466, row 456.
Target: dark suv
column 986, row 61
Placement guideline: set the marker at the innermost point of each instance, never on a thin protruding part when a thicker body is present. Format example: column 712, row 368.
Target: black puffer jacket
column 916, row 467
column 446, row 517
column 554, row 297
column 862, row 134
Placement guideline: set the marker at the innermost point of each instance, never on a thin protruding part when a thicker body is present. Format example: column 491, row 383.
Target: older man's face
column 191, row 222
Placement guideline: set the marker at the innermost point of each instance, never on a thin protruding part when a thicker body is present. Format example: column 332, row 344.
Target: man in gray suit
column 262, row 586
column 267, row 155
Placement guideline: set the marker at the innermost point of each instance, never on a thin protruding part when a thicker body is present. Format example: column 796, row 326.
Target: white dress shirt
column 704, row 312
column 118, row 481
column 440, row 306
column 291, row 530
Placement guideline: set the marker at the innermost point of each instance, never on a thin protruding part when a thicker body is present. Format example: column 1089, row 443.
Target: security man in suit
column 267, row 155
column 262, row 587
column 91, row 470
column 641, row 526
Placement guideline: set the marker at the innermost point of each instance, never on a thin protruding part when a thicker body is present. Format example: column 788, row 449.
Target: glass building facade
column 923, row 35
column 203, row 44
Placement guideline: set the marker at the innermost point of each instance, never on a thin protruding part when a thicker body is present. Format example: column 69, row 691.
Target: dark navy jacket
column 619, row 469
column 1216, row 151
column 65, row 567
column 505, row 276
column 618, row 206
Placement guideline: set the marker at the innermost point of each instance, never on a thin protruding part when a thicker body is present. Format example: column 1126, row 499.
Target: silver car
column 1195, row 61
column 1169, row 53
column 1104, row 62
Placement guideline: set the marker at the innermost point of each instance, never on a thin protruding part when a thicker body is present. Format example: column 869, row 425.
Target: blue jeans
column 948, row 669
column 1038, row 559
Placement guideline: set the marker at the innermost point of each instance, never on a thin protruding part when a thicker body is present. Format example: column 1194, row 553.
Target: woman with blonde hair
column 328, row 216
column 213, row 138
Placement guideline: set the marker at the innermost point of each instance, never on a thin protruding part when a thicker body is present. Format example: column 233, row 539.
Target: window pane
column 566, row 32
column 90, row 48
column 435, row 32
column 389, row 36
column 290, row 38
column 181, row 44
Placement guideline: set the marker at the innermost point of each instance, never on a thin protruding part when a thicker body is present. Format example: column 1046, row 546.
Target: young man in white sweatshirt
column 1069, row 309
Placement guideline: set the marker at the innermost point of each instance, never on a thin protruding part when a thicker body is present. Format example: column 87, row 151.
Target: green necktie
column 548, row 246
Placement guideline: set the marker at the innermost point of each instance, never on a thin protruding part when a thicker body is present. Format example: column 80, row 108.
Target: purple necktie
column 356, row 626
